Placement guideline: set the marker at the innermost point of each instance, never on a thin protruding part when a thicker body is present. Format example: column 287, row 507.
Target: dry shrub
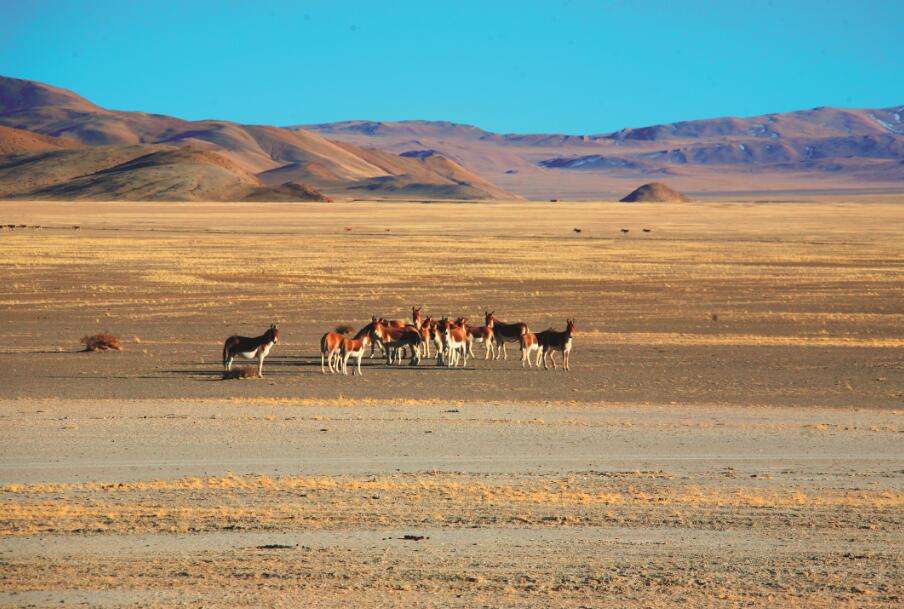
column 344, row 329
column 241, row 372
column 101, row 342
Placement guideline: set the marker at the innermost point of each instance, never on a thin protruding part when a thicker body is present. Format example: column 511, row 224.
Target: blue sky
column 574, row 67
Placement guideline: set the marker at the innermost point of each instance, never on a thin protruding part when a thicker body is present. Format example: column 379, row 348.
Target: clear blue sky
column 545, row 66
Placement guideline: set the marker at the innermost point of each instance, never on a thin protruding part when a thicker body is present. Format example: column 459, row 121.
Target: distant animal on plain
column 577, row 230
column 250, row 348
column 624, row 231
column 647, row 230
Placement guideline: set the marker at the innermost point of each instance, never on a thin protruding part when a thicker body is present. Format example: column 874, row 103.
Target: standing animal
column 530, row 345
column 400, row 323
column 482, row 334
column 353, row 347
column 427, row 329
column 250, row 348
column 396, row 339
column 552, row 341
column 457, row 337
column 330, row 344
column 504, row 333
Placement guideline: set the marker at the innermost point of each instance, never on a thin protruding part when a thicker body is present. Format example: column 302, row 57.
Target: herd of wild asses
column 452, row 341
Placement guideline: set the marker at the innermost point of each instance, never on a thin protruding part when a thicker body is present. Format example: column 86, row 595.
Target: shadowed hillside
column 243, row 156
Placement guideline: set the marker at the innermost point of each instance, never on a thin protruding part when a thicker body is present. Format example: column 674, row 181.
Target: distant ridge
column 822, row 148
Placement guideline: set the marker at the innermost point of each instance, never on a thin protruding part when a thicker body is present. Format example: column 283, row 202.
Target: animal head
column 378, row 329
column 461, row 321
column 489, row 318
column 273, row 333
column 570, row 327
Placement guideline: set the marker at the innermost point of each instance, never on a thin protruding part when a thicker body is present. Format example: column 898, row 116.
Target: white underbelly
column 248, row 354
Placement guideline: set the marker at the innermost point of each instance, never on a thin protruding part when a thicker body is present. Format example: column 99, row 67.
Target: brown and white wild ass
column 416, row 321
column 482, row 334
column 552, row 341
column 504, row 333
column 353, row 347
column 396, row 339
column 330, row 343
column 530, row 345
column 250, row 348
column 456, row 337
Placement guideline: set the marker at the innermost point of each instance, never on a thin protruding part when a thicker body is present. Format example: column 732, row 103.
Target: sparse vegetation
column 103, row 341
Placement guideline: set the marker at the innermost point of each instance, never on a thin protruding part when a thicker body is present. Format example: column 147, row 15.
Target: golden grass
column 255, row 501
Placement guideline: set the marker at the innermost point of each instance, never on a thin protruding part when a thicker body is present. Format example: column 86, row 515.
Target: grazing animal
column 624, row 231
column 504, row 333
column 353, row 347
column 647, row 230
column 577, row 230
column 552, row 341
column 396, row 339
column 250, row 348
column 530, row 345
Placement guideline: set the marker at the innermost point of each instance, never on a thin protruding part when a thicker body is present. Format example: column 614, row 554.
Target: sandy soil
column 730, row 434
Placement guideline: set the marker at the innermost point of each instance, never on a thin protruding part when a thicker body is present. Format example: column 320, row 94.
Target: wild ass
column 353, row 347
column 530, row 345
column 552, row 341
column 330, row 343
column 250, row 348
column 416, row 321
column 504, row 333
column 482, row 334
column 396, row 339
column 456, row 341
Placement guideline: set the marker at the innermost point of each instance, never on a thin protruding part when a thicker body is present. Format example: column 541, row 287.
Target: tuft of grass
column 241, row 372
column 103, row 341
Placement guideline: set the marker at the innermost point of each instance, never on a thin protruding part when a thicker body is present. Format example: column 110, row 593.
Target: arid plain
column 729, row 434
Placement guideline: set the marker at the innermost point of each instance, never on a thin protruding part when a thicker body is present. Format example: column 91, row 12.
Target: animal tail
column 323, row 343
column 226, row 352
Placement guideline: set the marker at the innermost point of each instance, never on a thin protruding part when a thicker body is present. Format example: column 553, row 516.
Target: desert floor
column 729, row 435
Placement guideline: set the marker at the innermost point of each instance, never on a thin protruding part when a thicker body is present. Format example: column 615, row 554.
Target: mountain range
column 56, row 144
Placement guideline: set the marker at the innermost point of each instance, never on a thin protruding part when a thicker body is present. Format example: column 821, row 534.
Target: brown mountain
column 654, row 192
column 240, row 156
column 20, row 141
column 822, row 148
